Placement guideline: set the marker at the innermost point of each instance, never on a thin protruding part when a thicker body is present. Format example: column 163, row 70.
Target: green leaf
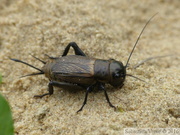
column 6, row 122
column 0, row 78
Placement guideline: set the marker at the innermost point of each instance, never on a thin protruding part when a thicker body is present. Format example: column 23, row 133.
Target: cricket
column 82, row 71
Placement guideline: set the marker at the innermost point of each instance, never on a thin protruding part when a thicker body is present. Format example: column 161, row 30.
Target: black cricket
column 82, row 71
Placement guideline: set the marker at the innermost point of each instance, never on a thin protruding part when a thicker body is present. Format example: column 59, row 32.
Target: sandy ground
column 103, row 29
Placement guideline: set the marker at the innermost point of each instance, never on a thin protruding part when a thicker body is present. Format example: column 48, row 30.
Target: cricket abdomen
column 72, row 69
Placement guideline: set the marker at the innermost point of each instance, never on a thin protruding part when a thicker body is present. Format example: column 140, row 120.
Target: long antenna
column 139, row 38
column 136, row 77
column 148, row 59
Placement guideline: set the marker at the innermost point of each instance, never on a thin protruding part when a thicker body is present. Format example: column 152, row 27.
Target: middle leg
column 89, row 89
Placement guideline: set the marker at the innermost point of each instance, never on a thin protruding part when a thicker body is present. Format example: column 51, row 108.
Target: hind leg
column 51, row 89
column 76, row 48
